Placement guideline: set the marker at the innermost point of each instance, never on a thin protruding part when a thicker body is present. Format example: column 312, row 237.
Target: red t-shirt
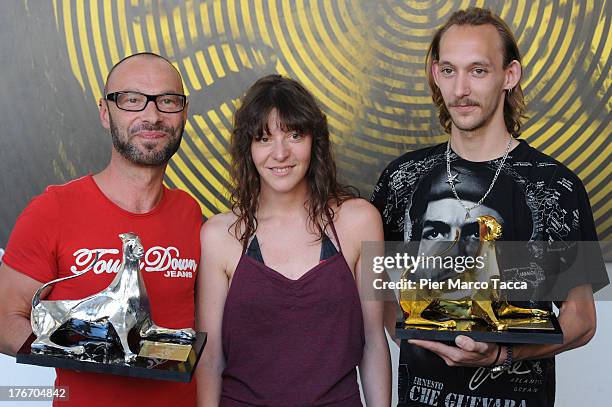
column 60, row 232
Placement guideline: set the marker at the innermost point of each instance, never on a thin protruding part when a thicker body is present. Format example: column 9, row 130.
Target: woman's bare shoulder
column 220, row 247
column 225, row 219
column 219, row 228
column 356, row 211
column 357, row 220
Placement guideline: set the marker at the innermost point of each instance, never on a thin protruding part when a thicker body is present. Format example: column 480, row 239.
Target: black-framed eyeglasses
column 137, row 102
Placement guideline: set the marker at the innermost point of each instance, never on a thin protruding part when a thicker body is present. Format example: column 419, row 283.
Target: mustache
column 463, row 102
column 151, row 127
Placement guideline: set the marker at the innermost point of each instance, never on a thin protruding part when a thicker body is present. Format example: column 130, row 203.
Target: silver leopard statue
column 122, row 306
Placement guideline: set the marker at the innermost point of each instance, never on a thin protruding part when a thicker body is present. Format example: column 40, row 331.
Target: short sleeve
column 32, row 246
column 379, row 194
column 580, row 254
column 586, row 223
column 380, row 199
column 590, row 250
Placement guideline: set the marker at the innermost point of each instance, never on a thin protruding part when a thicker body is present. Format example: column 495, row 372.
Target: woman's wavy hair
column 514, row 106
column 297, row 111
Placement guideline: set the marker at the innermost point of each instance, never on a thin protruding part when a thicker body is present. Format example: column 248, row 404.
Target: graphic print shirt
column 535, row 198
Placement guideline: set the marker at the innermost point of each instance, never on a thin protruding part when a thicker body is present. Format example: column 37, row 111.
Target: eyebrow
column 436, row 224
column 477, row 63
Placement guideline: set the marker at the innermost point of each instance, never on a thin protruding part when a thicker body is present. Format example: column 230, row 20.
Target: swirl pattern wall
column 364, row 61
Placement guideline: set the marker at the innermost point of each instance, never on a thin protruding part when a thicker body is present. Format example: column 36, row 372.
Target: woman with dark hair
column 281, row 289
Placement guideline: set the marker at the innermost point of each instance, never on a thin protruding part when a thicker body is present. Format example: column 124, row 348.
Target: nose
column 280, row 150
column 459, row 248
column 150, row 113
column 461, row 86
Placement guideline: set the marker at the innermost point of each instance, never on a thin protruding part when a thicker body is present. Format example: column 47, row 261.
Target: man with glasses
column 62, row 231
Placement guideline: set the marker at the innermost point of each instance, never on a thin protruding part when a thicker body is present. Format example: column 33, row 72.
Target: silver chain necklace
column 450, row 178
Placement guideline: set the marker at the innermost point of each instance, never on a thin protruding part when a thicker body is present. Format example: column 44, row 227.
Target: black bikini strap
column 333, row 228
column 246, row 243
column 254, row 251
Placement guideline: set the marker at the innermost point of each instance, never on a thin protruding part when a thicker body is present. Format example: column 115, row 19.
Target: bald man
column 60, row 232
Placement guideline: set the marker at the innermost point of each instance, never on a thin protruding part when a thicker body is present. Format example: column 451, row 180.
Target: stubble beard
column 150, row 157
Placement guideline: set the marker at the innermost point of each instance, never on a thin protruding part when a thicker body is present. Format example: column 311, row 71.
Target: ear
column 185, row 110
column 434, row 72
column 104, row 115
column 514, row 71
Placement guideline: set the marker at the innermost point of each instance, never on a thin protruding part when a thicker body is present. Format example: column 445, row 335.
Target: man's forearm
column 578, row 321
column 16, row 292
column 15, row 329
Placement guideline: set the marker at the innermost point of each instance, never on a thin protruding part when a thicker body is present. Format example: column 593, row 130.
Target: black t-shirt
column 535, row 198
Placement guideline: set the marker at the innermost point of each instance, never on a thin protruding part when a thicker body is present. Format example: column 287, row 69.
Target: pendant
column 467, row 215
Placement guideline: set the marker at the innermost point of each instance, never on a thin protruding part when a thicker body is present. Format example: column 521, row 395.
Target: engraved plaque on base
column 142, row 367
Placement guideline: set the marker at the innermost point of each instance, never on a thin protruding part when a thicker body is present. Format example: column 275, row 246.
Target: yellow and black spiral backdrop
column 364, row 61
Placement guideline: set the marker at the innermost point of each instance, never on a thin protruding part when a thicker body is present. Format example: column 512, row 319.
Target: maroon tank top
column 292, row 342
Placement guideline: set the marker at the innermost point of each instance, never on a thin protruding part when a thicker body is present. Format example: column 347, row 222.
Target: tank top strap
column 333, row 228
column 246, row 244
column 253, row 250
